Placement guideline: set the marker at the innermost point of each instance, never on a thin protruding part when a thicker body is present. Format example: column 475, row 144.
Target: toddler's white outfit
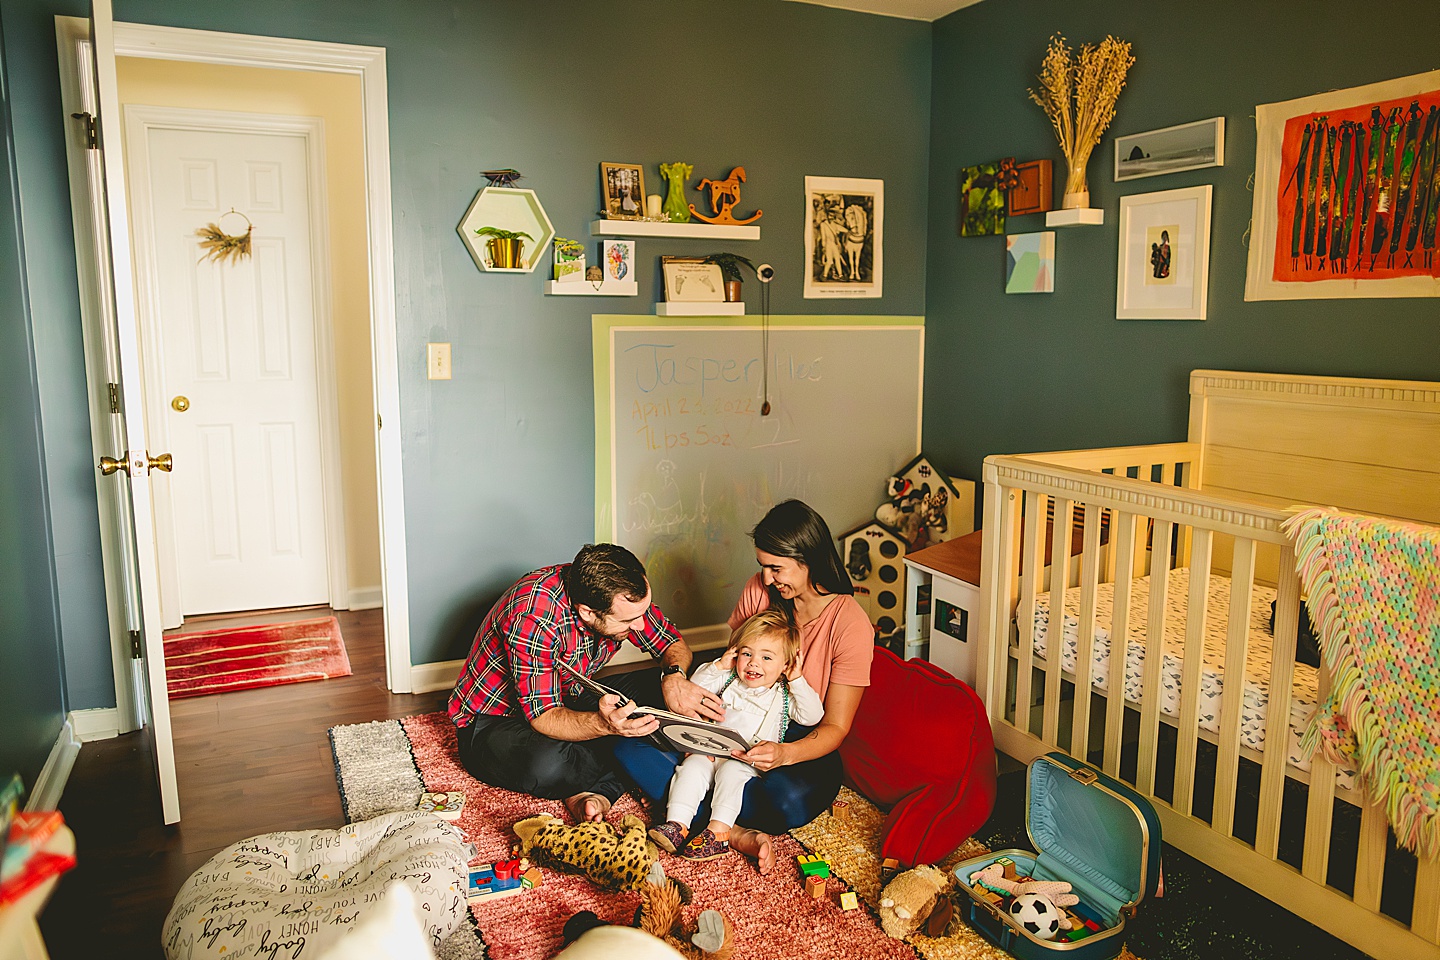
column 756, row 714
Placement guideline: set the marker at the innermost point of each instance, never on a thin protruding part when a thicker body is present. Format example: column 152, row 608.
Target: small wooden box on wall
column 1033, row 194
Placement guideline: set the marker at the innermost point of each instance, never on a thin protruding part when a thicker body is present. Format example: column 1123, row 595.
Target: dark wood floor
column 247, row 763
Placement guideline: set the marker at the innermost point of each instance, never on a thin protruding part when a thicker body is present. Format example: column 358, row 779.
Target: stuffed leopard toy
column 615, row 860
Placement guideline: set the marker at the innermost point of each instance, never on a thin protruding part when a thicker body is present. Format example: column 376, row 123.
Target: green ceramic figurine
column 675, row 206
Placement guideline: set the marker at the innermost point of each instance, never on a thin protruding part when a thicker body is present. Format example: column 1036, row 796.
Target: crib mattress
column 1212, row 671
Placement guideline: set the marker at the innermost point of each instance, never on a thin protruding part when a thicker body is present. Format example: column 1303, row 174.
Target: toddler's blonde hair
column 768, row 621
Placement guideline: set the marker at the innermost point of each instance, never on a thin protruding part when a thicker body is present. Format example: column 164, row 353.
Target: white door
column 231, row 365
column 135, row 458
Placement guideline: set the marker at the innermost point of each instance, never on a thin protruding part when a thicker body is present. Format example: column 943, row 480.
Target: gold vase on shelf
column 506, row 247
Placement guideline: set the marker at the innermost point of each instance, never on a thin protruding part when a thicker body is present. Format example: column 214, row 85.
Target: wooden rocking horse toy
column 724, row 195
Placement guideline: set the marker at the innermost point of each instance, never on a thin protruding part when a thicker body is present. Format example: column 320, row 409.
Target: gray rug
column 376, row 774
column 374, row 769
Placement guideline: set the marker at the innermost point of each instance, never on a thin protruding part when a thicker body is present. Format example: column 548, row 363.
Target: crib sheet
column 1212, row 671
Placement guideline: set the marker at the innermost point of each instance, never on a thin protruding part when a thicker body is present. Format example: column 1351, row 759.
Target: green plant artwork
column 982, row 202
column 675, row 206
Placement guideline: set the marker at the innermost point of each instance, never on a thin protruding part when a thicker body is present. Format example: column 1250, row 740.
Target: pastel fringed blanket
column 1373, row 587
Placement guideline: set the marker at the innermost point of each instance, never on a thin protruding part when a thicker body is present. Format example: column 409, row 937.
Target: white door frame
column 368, row 64
column 139, row 121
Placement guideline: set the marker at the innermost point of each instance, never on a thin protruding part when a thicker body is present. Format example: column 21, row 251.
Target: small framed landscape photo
column 691, row 280
column 1164, row 268
column 1189, row 146
column 623, row 185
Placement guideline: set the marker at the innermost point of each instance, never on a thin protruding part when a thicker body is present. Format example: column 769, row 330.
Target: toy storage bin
column 1090, row 830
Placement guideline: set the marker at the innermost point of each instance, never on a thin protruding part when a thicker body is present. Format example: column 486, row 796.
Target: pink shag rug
column 773, row 916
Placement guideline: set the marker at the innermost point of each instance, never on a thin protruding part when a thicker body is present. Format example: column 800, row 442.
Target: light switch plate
column 437, row 361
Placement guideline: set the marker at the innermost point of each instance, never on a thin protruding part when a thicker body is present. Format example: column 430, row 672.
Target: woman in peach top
column 800, row 571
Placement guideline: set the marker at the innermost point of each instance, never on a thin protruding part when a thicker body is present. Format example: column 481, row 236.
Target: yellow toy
column 615, row 860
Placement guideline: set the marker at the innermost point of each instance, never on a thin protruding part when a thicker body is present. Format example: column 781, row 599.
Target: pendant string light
column 765, row 273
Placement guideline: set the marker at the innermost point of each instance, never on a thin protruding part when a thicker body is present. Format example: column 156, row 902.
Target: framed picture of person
column 623, row 185
column 1164, row 255
column 844, row 237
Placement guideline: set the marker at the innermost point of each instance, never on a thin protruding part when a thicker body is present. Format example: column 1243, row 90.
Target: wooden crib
column 1194, row 518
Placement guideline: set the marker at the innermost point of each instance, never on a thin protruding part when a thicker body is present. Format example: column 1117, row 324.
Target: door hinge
column 135, row 653
column 379, row 422
column 92, row 136
column 114, row 390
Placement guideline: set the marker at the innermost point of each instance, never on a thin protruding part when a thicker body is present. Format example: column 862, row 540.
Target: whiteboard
column 686, row 465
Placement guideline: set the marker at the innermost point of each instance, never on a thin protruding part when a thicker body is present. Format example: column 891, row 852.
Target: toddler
column 760, row 683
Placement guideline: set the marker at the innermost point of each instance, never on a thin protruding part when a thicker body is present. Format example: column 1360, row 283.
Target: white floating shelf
column 681, row 231
column 668, row 308
column 584, row 288
column 1076, row 217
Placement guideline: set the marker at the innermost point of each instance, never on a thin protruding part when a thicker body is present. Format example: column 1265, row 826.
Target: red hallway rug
column 242, row 658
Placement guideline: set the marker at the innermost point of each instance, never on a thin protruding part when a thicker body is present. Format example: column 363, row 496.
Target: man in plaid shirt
column 524, row 725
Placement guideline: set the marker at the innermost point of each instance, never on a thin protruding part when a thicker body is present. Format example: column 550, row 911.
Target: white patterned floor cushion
column 293, row 894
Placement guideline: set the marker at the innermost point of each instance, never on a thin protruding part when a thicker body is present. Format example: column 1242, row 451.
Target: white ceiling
column 906, row 9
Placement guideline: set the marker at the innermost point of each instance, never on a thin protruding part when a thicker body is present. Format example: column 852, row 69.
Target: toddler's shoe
column 669, row 836
column 705, row 846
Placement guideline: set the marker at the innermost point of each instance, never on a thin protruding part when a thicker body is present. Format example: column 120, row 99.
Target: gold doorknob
column 109, row 465
column 164, row 463
column 180, row 404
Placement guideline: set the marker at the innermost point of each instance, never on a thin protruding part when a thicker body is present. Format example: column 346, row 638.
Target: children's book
column 28, row 833
column 685, row 734
column 447, row 805
column 10, row 796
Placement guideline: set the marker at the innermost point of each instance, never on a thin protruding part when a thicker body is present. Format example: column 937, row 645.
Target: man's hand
column 690, row 699
column 615, row 715
column 765, row 755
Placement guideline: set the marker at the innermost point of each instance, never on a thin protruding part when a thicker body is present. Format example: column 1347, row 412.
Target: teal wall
column 499, row 462
column 1041, row 372
column 32, row 699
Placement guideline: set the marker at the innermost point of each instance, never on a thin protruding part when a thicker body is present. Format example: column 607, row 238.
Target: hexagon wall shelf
column 509, row 208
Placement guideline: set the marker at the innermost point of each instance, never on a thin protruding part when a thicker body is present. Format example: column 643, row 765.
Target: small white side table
column 950, row 571
column 19, row 927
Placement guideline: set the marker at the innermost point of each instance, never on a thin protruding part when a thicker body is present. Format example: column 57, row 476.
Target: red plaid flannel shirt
column 512, row 664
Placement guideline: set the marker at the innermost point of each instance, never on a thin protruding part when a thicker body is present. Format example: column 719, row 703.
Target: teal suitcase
column 1089, row 829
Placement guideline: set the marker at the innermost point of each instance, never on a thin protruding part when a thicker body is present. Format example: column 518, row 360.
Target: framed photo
column 624, row 187
column 982, row 201
column 1164, row 270
column 1340, row 178
column 691, row 280
column 1189, row 146
column 844, row 237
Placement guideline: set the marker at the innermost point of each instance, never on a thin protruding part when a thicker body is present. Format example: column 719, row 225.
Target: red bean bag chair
column 921, row 747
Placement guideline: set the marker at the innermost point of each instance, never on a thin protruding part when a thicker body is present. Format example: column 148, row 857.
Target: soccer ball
column 1037, row 914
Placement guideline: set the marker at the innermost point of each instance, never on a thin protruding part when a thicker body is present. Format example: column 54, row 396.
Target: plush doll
column 616, row 860
column 901, row 512
column 993, row 878
column 908, row 900
column 659, row 916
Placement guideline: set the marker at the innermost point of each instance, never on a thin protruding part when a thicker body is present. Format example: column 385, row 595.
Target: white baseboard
column 50, row 784
column 101, row 723
column 366, row 598
column 427, row 677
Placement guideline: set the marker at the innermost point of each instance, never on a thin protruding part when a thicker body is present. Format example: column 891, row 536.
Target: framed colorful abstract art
column 1164, row 255
column 1030, row 262
column 1347, row 192
column 982, row 201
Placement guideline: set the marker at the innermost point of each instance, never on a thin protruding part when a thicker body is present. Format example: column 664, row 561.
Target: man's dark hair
column 603, row 571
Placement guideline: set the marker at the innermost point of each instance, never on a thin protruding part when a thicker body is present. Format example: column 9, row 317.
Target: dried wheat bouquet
column 1078, row 94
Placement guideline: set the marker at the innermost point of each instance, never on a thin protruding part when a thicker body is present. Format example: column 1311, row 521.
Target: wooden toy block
column 532, row 878
column 840, row 810
column 812, row 866
column 1009, row 866
column 849, row 900
column 816, row 886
